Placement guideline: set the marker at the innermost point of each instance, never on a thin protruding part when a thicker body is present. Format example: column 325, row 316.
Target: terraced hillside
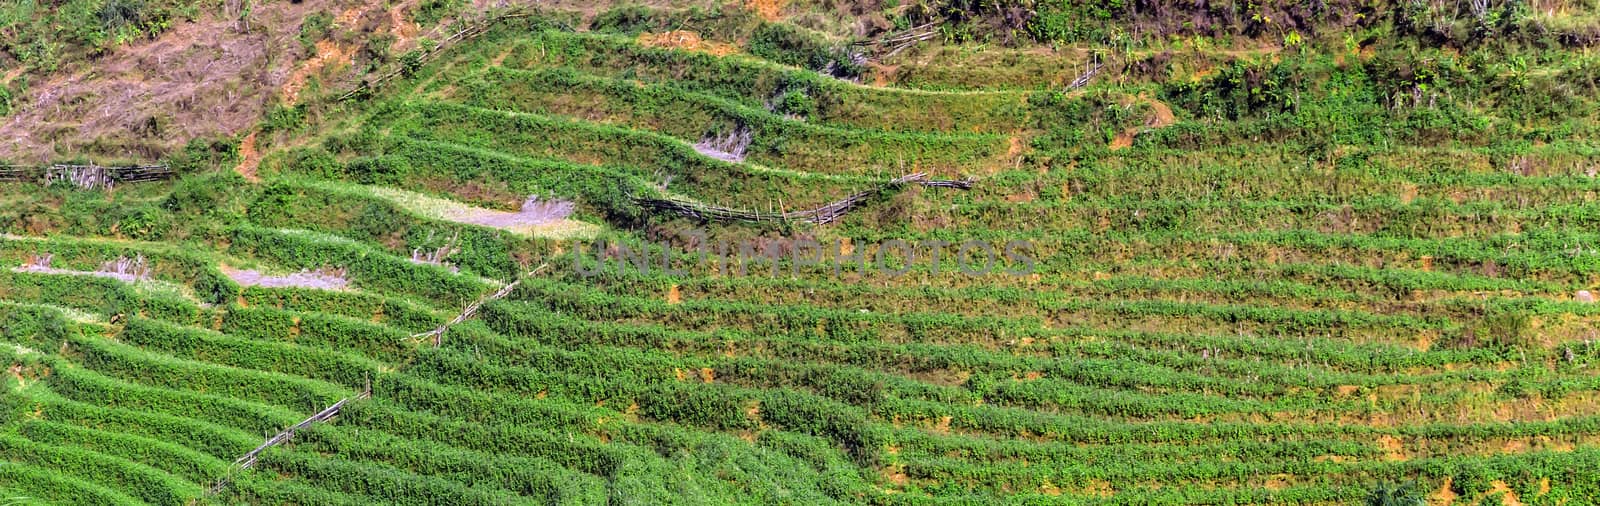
column 1302, row 275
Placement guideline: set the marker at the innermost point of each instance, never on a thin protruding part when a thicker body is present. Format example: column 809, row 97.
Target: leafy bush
column 281, row 118
column 411, row 62
column 142, row 222
column 790, row 45
column 376, row 50
column 1240, row 90
column 1389, row 494
column 316, row 27
column 625, row 19
column 378, row 170
column 115, row 14
column 796, row 103
column 314, row 161
column 204, row 196
column 430, row 12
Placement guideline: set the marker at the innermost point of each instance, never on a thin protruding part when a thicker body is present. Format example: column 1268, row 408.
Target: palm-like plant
column 1392, row 494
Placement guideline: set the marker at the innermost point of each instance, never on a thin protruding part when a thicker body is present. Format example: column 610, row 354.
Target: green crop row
column 47, row 484
column 148, row 484
column 387, row 311
column 1153, row 391
column 320, row 331
column 537, row 478
column 205, row 437
column 184, row 463
column 775, row 140
column 376, row 482
column 135, row 365
column 367, row 266
column 281, row 355
column 89, row 387
column 753, row 82
column 531, row 135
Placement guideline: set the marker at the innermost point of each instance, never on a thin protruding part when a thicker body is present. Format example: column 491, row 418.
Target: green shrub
column 1240, row 90
column 142, row 222
column 626, row 19
column 1389, row 494
column 430, row 12
column 796, row 103
column 204, row 196
column 115, row 14
column 378, row 170
column 411, row 62
column 790, row 45
column 313, row 161
column 281, row 118
column 201, row 154
column 315, row 27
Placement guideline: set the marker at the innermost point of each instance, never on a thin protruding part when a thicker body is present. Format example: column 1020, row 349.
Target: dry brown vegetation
column 686, row 40
column 201, row 78
column 212, row 77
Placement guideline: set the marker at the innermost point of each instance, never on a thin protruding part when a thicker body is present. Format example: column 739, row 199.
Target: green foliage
column 34, row 326
column 202, row 155
column 367, row 267
column 776, row 140
column 377, row 51
column 316, row 26
column 790, row 45
column 796, row 103
column 42, row 35
column 142, row 223
column 1389, row 494
column 380, row 170
column 431, row 12
column 210, row 196
column 625, row 19
column 1240, row 91
column 1507, row 330
column 314, row 161
column 411, row 62
column 282, row 118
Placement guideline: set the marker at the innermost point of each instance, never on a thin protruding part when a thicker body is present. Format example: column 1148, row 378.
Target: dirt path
column 328, row 53
column 1507, row 496
column 1016, row 148
column 1160, row 116
column 249, row 158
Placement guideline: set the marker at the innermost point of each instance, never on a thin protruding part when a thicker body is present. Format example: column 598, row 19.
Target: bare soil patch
column 321, row 279
column 249, row 158
column 328, row 53
column 536, row 219
column 770, row 10
column 687, row 41
column 1160, row 116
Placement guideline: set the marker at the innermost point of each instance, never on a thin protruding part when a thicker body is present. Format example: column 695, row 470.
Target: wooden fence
column 249, row 459
column 472, row 29
column 85, row 176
